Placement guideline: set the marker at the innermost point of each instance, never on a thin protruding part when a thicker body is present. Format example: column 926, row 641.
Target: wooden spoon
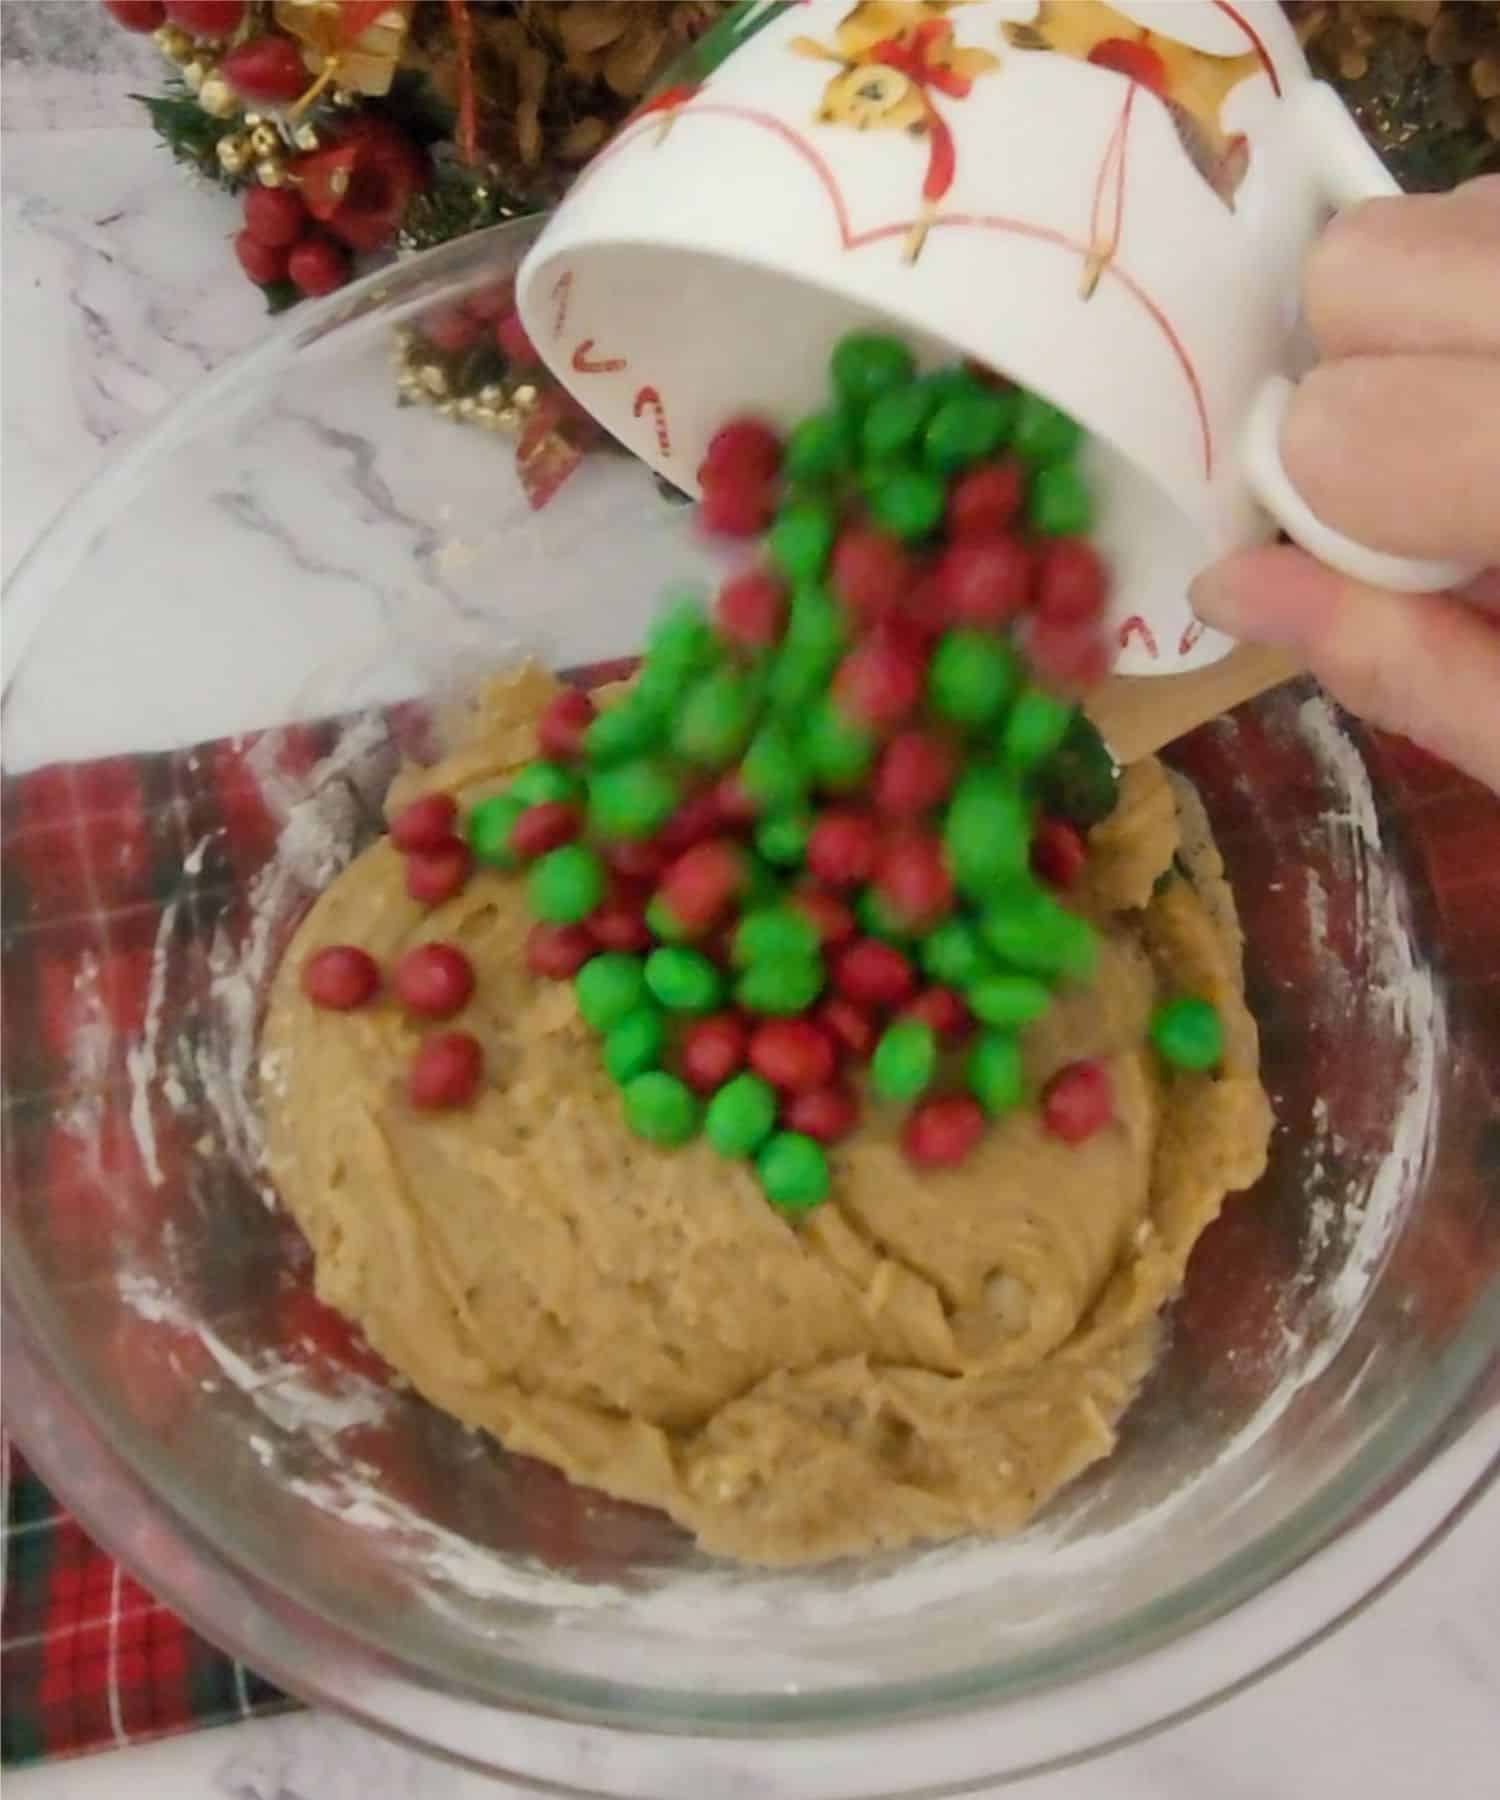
column 1140, row 713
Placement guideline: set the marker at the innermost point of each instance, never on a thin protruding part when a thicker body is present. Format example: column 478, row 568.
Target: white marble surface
column 119, row 291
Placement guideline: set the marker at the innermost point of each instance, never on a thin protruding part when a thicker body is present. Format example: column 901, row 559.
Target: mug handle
column 1348, row 171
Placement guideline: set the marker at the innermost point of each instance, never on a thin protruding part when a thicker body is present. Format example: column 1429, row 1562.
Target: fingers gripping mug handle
column 1349, row 171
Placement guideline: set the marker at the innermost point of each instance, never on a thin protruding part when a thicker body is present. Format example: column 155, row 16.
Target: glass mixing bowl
column 220, row 650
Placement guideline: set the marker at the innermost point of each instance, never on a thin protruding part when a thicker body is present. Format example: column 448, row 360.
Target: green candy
column 895, row 420
column 664, row 923
column 816, row 637
column 629, row 728
column 1059, row 502
column 661, row 1108
column 565, row 885
column 986, row 833
column 540, row 782
column 993, row 1071
column 774, row 932
column 608, row 987
column 716, row 717
column 771, row 770
column 1030, row 930
column 905, row 1060
column 1043, row 433
column 801, row 537
column 682, row 638
column 866, row 364
column 741, row 1116
column 877, row 920
column 819, row 447
column 972, row 677
column 1188, row 1033
column 762, row 885
column 634, row 1044
column 782, row 839
column 953, row 954
column 780, row 984
column 489, row 827
column 632, row 799
column 908, row 502
column 968, row 427
column 793, row 1172
column 1010, row 1000
column 838, row 753
column 1081, row 782
column 684, row 980
column 1035, row 729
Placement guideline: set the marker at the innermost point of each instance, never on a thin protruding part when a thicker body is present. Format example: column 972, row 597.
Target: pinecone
column 552, row 80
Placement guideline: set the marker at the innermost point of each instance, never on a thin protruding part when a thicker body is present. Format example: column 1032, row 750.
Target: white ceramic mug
column 1110, row 204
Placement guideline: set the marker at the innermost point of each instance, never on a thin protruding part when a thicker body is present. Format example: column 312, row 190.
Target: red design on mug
column 562, row 294
column 647, row 399
column 1189, row 639
column 586, row 364
column 1136, row 626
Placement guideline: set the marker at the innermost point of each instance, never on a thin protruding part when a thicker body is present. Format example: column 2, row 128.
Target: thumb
column 1424, row 665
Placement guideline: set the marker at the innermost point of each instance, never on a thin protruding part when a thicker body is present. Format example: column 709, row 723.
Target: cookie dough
column 924, row 1355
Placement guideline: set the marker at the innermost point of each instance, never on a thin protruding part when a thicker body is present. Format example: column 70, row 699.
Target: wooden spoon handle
column 1140, row 713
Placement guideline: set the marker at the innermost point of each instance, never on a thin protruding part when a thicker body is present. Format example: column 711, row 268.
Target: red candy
column 751, row 609
column 340, row 977
column 426, row 824
column 792, row 1054
column 702, row 883
column 912, row 879
column 941, row 1132
column 825, row 1113
column 275, row 215
column 262, row 262
column 744, row 449
column 852, row 1029
column 514, row 343
column 558, row 951
column 435, row 980
column 446, row 1071
column 735, row 805
column 986, row 580
column 834, row 920
column 712, row 1050
column 544, row 827
column 1058, row 852
column 879, row 683
column 433, row 876
column 559, row 731
column 620, row 924
column 317, row 265
column 915, row 771
column 700, row 816
column 1069, row 658
column 944, row 1009
column 871, row 972
column 871, row 572
column 986, row 500
column 737, row 509
column 1078, row 1101
column 842, row 847
column 1072, row 584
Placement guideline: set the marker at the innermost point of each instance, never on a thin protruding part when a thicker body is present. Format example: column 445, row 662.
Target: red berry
column 912, row 879
column 1058, row 852
column 268, row 69
column 792, row 1054
column 712, row 1050
column 426, row 824
column 825, row 1113
column 915, row 771
column 1128, row 56
column 435, row 980
column 944, row 1009
column 942, row 1131
column 751, row 609
column 636, row 859
column 263, row 263
column 620, row 924
column 1072, row 583
column 136, row 15
column 207, row 18
column 436, row 875
column 511, row 336
column 700, row 816
column 446, row 1071
column 986, row 580
column 871, row 572
column 733, row 508
column 1068, row 658
column 544, row 827
column 340, row 977
column 854, row 1031
column 1078, row 1101
column 986, row 500
column 744, row 449
column 879, row 683
column 558, row 951
column 566, row 717
column 842, row 847
column 834, row 920
column 871, row 972
column 451, row 329
column 703, row 882
column 274, row 215
column 317, row 265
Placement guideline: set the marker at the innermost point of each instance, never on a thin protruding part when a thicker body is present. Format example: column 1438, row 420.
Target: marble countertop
column 119, row 291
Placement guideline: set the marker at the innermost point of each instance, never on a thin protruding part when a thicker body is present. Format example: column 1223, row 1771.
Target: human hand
column 1394, row 438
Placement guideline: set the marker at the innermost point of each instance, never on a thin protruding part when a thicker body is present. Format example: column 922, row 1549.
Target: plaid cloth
column 93, row 855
